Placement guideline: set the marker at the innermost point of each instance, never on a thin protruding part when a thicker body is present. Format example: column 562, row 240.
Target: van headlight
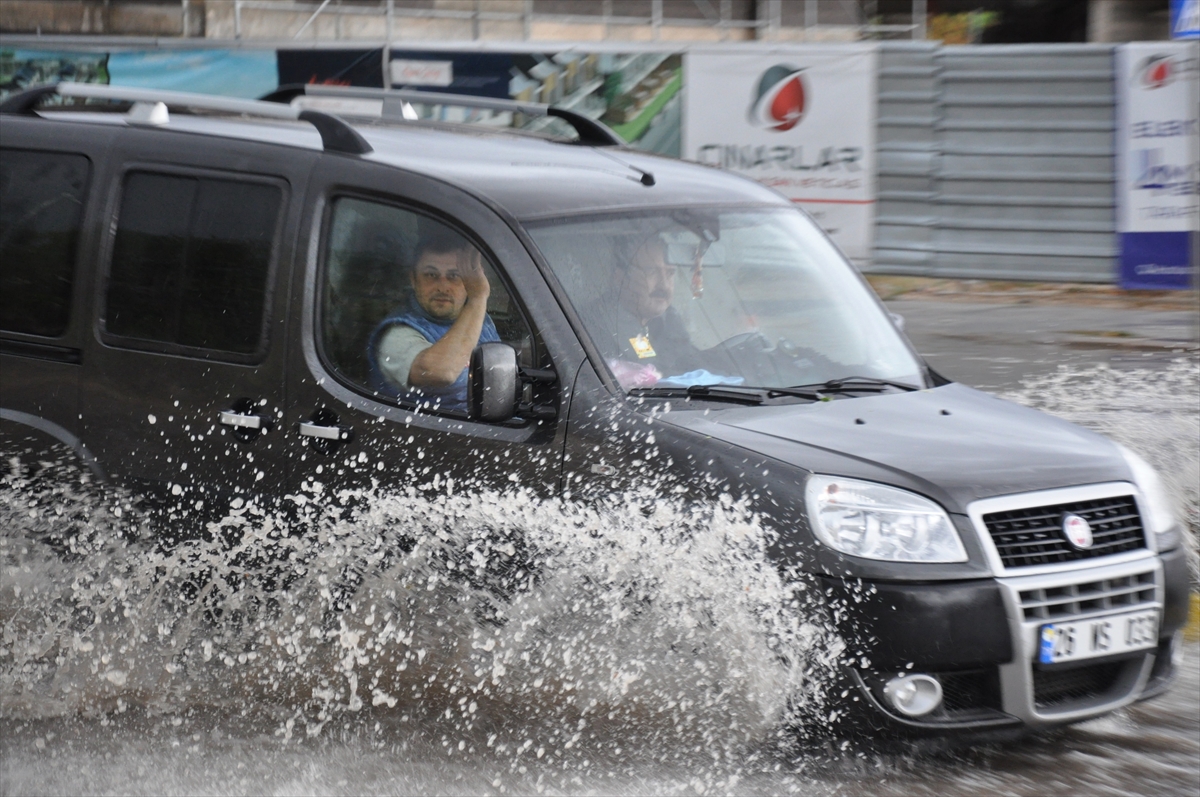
column 879, row 522
column 1157, row 509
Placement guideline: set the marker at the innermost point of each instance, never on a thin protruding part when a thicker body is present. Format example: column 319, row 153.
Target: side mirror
column 898, row 320
column 493, row 383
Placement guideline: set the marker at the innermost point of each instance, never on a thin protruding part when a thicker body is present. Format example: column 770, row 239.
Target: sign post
column 1158, row 163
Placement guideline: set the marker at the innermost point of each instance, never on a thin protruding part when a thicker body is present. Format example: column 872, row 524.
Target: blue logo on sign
column 1150, row 173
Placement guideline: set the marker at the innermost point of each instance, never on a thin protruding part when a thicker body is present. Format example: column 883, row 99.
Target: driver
column 640, row 334
column 421, row 351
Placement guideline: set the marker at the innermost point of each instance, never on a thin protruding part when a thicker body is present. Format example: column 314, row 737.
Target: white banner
column 1158, row 161
column 799, row 119
column 407, row 72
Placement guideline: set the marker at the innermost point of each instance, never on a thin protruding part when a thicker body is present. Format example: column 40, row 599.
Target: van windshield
column 687, row 297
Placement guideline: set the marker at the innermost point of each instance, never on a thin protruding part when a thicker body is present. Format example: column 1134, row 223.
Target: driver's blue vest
column 452, row 396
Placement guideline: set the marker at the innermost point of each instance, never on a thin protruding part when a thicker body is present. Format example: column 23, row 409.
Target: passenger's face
column 649, row 284
column 438, row 285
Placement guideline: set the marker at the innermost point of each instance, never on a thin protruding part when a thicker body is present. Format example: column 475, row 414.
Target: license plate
column 1100, row 636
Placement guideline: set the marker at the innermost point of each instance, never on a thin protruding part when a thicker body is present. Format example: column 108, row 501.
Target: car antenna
column 646, row 179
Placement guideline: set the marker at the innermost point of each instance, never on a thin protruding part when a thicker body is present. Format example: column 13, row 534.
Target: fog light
column 914, row 695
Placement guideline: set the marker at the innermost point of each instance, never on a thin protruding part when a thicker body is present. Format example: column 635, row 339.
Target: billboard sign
column 1158, row 163
column 340, row 67
column 1185, row 19
column 798, row 119
column 233, row 73
column 475, row 73
column 634, row 93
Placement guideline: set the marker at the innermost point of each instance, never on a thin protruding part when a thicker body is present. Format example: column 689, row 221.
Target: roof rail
column 590, row 132
column 336, row 135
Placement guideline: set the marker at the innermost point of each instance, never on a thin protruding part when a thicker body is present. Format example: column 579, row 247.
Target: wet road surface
column 997, row 346
column 1152, row 748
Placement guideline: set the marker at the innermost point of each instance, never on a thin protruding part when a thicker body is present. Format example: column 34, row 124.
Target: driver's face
column 649, row 284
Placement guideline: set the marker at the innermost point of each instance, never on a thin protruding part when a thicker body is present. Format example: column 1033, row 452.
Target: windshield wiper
column 745, row 394
column 802, row 391
column 854, row 384
column 734, row 394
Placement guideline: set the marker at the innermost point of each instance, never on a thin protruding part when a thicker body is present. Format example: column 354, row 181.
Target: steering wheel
column 741, row 341
column 802, row 361
column 791, row 350
column 746, row 354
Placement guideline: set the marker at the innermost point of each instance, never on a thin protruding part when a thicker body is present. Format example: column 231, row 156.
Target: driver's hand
column 470, row 269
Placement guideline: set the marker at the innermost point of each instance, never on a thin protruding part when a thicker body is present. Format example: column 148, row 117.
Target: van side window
column 393, row 284
column 190, row 262
column 41, row 208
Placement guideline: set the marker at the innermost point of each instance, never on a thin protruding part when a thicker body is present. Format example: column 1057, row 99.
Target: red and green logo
column 779, row 99
column 1157, row 71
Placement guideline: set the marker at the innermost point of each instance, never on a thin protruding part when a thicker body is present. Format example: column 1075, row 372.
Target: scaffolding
column 766, row 23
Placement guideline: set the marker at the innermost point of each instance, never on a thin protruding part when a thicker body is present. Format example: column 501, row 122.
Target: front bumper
column 980, row 639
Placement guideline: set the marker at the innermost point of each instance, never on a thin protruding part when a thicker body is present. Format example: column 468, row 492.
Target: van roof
column 528, row 176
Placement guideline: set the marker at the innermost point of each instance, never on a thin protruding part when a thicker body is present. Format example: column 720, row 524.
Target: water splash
column 632, row 647
column 494, row 621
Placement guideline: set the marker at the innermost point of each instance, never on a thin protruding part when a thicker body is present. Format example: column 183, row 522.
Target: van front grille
column 1070, row 600
column 1034, row 536
column 1053, row 688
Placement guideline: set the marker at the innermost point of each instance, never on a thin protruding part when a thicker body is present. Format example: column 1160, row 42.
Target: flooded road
column 1152, row 748
column 653, row 652
column 996, row 347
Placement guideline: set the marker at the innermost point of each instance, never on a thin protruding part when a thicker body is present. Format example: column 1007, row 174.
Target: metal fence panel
column 1022, row 171
column 905, row 217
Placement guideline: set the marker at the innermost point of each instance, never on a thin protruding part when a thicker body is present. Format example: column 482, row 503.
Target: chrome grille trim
column 1106, row 595
column 977, row 511
column 1033, row 536
column 1134, row 576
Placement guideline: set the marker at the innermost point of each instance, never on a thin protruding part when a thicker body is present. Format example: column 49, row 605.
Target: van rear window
column 190, row 261
column 41, row 208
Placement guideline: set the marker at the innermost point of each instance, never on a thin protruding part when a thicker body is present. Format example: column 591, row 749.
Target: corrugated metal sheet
column 906, row 216
column 1021, row 157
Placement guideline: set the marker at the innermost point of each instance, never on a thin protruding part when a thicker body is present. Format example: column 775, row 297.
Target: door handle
column 242, row 419
column 239, row 420
column 324, row 432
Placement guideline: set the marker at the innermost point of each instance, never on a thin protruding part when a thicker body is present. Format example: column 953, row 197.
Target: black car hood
column 953, row 443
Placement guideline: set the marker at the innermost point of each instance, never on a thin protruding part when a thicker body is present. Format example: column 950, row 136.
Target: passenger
column 422, row 350
column 640, row 334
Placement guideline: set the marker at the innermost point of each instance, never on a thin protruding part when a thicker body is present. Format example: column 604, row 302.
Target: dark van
column 205, row 297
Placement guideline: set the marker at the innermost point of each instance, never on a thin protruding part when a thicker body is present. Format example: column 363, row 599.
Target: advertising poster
column 233, row 73
column 636, row 94
column 800, row 120
column 331, row 67
column 1158, row 163
column 20, row 69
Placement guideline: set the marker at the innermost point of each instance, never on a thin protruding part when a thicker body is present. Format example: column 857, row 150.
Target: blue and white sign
column 1185, row 19
column 1158, row 163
